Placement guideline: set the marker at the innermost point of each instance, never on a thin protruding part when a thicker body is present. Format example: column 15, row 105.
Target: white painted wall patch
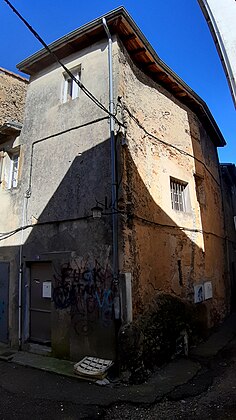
column 208, row 290
column 47, row 289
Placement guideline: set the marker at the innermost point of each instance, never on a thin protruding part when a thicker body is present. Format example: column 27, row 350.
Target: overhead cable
column 70, row 74
column 6, row 235
column 183, row 152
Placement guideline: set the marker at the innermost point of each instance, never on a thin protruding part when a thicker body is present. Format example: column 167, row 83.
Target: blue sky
column 176, row 30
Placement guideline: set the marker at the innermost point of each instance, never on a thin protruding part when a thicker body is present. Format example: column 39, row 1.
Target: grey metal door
column 4, row 299
column 40, row 302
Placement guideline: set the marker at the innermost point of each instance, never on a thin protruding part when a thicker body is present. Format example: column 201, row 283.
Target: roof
column 10, row 73
column 143, row 55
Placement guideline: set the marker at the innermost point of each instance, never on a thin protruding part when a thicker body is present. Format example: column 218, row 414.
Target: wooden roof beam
column 137, row 51
column 126, row 38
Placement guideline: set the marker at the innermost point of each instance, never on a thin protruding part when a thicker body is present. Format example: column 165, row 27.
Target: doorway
column 40, row 302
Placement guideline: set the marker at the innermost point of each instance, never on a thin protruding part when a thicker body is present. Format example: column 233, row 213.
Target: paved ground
column 28, row 393
column 210, row 395
column 202, row 388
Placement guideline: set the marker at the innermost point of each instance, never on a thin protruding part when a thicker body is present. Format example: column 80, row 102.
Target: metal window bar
column 177, row 196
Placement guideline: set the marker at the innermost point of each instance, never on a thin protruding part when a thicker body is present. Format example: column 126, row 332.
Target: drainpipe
column 113, row 171
column 20, row 277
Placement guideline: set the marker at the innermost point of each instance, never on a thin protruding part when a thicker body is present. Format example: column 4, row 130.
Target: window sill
column 183, row 213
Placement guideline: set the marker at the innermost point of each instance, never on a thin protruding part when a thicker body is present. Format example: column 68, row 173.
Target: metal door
column 40, row 302
column 4, row 298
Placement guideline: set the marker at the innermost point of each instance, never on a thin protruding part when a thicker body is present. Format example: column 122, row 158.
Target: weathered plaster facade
column 69, row 173
column 169, row 250
column 65, row 169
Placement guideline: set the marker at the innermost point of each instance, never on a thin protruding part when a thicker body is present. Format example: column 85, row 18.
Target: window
column 9, row 168
column 178, row 195
column 71, row 88
column 14, row 166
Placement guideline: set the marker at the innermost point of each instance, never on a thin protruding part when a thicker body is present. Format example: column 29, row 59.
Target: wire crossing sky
column 71, row 75
column 176, row 30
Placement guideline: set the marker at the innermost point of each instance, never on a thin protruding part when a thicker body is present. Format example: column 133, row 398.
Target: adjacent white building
column 221, row 18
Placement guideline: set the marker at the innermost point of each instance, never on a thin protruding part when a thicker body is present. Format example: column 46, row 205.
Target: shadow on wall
column 171, row 259
column 160, row 255
column 210, row 199
column 164, row 257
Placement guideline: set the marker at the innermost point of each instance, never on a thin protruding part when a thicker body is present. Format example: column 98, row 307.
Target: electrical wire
column 70, row 74
column 183, row 152
column 6, row 235
column 51, row 136
column 95, row 100
column 182, row 228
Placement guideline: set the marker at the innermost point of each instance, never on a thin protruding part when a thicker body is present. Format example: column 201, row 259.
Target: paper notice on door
column 47, row 289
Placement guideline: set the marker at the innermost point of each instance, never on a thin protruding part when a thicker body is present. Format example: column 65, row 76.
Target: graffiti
column 86, row 292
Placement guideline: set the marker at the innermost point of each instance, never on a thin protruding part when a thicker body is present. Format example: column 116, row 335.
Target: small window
column 14, row 167
column 178, row 195
column 71, row 88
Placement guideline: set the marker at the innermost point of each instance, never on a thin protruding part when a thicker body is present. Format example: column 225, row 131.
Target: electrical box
column 208, row 290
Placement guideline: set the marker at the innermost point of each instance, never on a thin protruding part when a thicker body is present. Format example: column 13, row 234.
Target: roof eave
column 39, row 55
column 185, row 94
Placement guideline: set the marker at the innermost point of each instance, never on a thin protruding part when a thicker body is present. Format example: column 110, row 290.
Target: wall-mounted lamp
column 96, row 212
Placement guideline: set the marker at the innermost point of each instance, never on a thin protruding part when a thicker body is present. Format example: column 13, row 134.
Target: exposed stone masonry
column 12, row 96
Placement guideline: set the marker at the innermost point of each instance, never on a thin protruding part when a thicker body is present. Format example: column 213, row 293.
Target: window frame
column 13, row 182
column 178, row 189
column 74, row 89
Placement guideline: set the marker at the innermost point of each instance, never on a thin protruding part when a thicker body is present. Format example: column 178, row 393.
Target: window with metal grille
column 178, row 199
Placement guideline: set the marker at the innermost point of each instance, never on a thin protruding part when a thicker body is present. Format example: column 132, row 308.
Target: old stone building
column 71, row 290
column 12, row 100
column 12, row 96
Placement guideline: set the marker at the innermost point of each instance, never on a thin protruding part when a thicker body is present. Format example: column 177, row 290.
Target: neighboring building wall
column 12, row 100
column 229, row 197
column 221, row 17
column 167, row 250
column 12, row 96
